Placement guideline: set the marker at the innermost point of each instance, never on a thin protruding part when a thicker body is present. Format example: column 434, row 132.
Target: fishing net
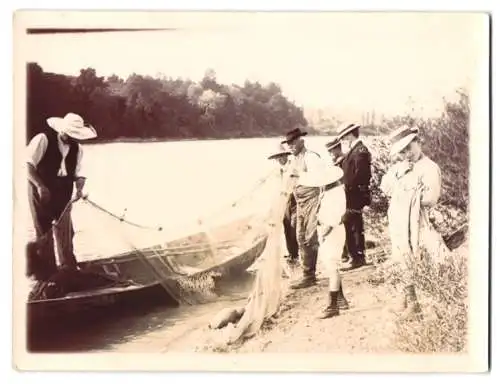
column 269, row 287
column 187, row 259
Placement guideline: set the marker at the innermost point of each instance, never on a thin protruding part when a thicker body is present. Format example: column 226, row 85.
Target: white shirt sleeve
column 431, row 183
column 313, row 161
column 78, row 169
column 36, row 149
column 388, row 180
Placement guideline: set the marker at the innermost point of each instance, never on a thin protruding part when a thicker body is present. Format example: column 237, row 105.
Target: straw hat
column 280, row 151
column 327, row 175
column 345, row 129
column 333, row 144
column 73, row 126
column 401, row 138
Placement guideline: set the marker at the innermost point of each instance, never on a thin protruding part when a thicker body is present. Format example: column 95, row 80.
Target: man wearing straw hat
column 54, row 165
column 289, row 220
column 413, row 184
column 331, row 231
column 356, row 165
column 334, row 149
column 307, row 199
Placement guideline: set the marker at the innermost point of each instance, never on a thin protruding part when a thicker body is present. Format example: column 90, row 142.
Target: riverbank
column 370, row 325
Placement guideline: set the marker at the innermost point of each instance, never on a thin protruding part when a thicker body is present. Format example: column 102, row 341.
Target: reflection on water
column 141, row 325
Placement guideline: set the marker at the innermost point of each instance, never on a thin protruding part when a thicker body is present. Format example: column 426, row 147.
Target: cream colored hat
column 327, row 175
column 73, row 126
column 280, row 151
column 345, row 129
column 401, row 138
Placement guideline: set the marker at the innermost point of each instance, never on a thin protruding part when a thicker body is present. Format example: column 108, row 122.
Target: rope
column 200, row 221
column 257, row 185
column 119, row 218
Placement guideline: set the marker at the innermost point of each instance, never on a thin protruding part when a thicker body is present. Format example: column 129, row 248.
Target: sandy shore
column 366, row 327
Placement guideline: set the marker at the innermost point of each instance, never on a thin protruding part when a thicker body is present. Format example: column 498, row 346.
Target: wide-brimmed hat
column 73, row 126
column 345, row 129
column 321, row 177
column 293, row 134
column 333, row 144
column 280, row 151
column 401, row 138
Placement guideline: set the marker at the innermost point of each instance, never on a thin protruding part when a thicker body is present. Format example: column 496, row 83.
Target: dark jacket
column 61, row 188
column 357, row 175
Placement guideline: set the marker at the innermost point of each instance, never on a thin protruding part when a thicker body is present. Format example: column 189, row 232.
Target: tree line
column 147, row 108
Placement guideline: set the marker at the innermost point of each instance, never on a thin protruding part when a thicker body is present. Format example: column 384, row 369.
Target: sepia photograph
column 251, row 188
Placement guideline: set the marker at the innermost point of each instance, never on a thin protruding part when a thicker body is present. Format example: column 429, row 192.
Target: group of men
column 324, row 216
column 348, row 152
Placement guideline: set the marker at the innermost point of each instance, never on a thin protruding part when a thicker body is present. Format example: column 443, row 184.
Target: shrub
column 445, row 140
column 442, row 287
column 443, row 292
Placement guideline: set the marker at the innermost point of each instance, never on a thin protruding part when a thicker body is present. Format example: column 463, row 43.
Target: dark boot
column 305, row 282
column 413, row 311
column 332, row 309
column 342, row 302
column 345, row 254
column 354, row 263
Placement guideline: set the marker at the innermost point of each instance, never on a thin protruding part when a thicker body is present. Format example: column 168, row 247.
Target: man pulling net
column 54, row 170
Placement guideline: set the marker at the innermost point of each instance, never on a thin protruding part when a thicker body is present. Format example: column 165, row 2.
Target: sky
column 346, row 63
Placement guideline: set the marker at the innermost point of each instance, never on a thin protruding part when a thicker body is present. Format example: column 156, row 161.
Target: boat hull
column 155, row 283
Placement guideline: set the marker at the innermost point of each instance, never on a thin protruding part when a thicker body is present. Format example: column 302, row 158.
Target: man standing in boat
column 54, row 165
column 356, row 165
column 289, row 219
column 307, row 199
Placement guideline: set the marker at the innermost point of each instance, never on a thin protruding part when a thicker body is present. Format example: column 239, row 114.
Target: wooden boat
column 153, row 269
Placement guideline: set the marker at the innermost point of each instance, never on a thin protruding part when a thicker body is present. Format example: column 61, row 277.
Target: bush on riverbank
column 444, row 287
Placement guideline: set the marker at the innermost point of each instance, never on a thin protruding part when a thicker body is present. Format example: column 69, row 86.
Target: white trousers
column 330, row 253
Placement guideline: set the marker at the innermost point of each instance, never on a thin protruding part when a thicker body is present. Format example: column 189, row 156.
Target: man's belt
column 352, row 210
column 333, row 185
column 358, row 187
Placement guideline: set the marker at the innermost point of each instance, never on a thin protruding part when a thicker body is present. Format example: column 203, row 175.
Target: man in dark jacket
column 54, row 162
column 357, row 175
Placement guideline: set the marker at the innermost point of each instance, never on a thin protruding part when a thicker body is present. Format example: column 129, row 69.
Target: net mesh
column 269, row 287
column 188, row 258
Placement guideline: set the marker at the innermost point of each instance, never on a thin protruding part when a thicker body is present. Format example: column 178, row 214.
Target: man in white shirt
column 54, row 164
column 331, row 232
column 307, row 199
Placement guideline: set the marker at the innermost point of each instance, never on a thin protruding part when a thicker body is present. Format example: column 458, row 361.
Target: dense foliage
column 445, row 140
column 144, row 107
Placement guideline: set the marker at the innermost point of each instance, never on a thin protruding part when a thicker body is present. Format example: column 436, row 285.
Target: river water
column 168, row 184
